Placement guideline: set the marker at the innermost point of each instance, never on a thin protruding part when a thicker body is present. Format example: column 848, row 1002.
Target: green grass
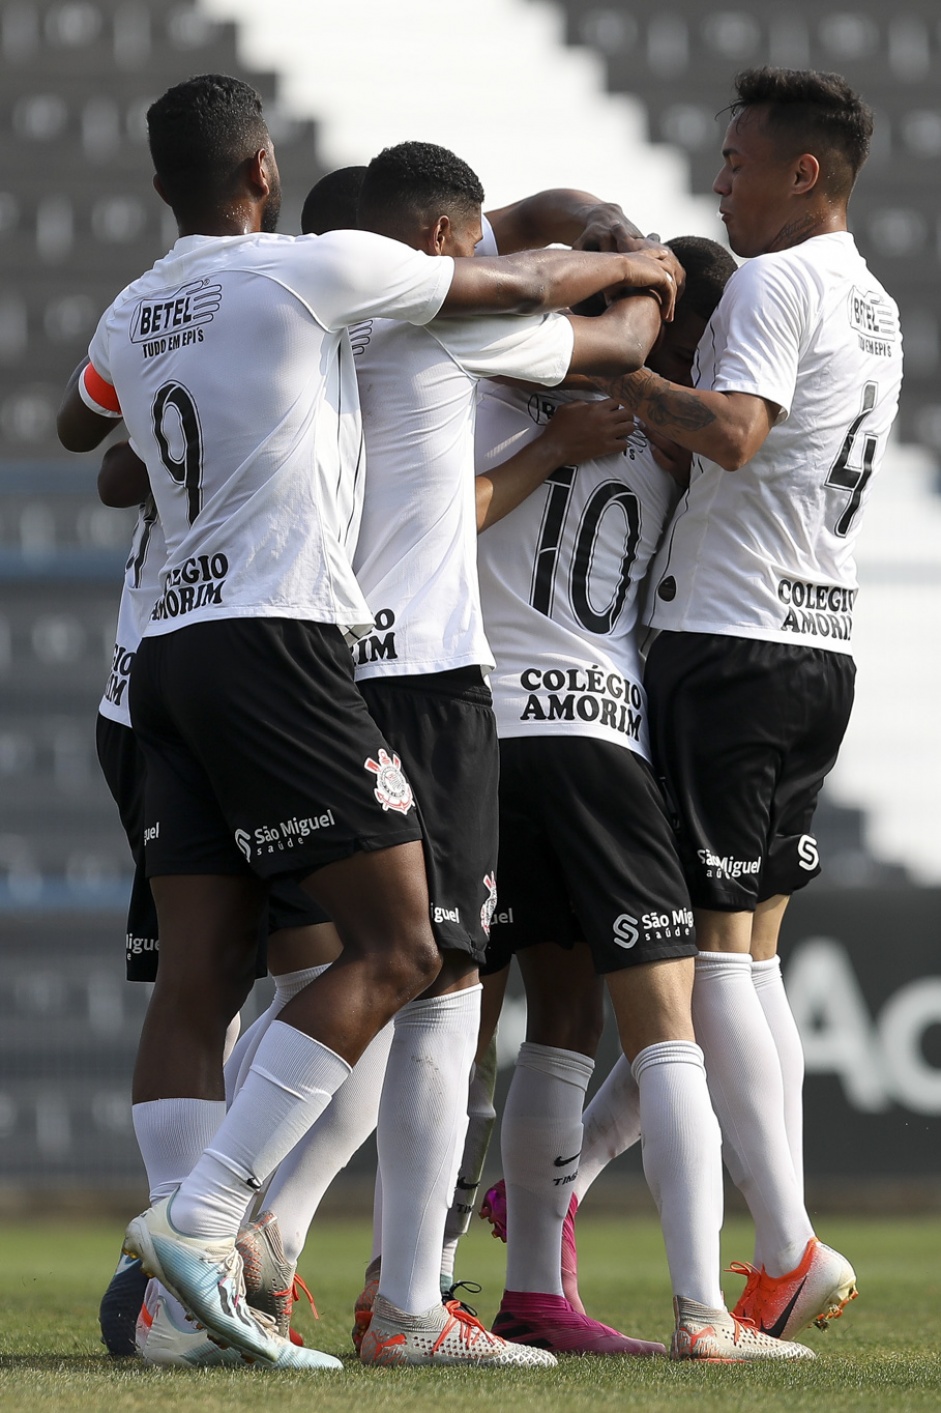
column 883, row 1355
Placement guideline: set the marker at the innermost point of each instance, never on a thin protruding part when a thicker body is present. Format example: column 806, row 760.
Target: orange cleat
column 817, row 1290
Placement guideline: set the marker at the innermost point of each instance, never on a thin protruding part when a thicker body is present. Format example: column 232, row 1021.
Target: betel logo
column 625, row 931
column 244, row 841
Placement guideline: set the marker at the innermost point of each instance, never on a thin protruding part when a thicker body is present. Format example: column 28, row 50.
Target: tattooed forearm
column 663, row 405
column 671, row 409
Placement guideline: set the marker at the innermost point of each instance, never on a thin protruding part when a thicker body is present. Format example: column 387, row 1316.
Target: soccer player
column 230, row 364
column 750, row 677
column 420, row 673
column 587, row 854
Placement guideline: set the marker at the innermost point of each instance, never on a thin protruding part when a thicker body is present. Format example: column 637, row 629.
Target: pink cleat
column 570, row 1259
column 493, row 1210
column 550, row 1322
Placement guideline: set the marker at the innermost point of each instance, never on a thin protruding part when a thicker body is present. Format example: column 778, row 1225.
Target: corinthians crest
column 392, row 790
column 487, row 911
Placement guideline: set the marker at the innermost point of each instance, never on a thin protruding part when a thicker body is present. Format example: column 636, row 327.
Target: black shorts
column 442, row 727
column 122, row 764
column 260, row 752
column 586, row 855
column 123, row 768
column 744, row 733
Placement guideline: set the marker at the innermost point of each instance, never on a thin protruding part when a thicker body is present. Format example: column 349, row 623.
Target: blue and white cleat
column 207, row 1279
column 120, row 1306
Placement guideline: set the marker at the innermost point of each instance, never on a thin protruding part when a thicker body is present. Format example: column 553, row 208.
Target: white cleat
column 713, row 1336
column 171, row 1343
column 206, row 1278
column 446, row 1334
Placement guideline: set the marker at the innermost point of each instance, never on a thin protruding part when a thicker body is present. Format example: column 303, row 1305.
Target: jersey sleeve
column 537, row 348
column 95, row 387
column 765, row 311
column 346, row 276
column 487, row 245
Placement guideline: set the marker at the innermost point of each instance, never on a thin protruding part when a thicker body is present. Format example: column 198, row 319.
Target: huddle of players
column 579, row 860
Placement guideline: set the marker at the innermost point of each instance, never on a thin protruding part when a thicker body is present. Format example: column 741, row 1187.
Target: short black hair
column 816, row 112
column 416, row 180
column 708, row 266
column 331, row 202
column 200, row 133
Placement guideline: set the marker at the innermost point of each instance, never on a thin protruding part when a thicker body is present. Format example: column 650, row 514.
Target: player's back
column 562, row 581
column 233, row 370
column 416, row 557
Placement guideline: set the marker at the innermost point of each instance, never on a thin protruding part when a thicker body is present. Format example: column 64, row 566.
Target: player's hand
column 656, row 270
column 584, row 431
column 607, row 228
column 675, row 460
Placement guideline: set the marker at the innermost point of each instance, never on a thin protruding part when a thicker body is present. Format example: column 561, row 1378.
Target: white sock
column 541, row 1138
column 240, row 1060
column 611, row 1122
column 171, row 1135
column 748, row 1096
column 481, row 1116
column 422, row 1122
column 290, row 1083
column 300, row 1182
column 682, row 1149
column 769, row 984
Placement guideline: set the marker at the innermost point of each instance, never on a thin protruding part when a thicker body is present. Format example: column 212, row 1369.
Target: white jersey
column 767, row 551
column 141, row 587
column 561, row 578
column 416, row 558
column 231, row 365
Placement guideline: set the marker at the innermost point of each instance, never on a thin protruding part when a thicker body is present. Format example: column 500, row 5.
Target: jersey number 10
column 608, row 496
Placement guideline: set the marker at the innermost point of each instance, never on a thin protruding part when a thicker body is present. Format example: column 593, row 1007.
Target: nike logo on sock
column 564, row 1162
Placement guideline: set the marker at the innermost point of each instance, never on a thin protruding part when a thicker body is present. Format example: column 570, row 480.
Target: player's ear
column 440, row 235
column 806, row 173
column 160, row 190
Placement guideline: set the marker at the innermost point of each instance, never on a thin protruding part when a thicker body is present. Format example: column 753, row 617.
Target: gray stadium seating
column 679, row 60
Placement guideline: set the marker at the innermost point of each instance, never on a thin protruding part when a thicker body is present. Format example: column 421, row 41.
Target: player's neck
column 817, row 221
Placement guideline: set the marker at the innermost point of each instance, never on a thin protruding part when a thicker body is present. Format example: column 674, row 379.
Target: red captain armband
column 97, row 394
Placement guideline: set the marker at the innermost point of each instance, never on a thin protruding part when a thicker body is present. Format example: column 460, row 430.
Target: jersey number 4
column 843, row 476
column 180, row 439
column 610, row 496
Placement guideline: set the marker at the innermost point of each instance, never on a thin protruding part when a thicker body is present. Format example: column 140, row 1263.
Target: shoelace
column 470, row 1328
column 450, row 1296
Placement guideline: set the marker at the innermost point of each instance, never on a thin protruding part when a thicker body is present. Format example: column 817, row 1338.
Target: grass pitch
column 882, row 1355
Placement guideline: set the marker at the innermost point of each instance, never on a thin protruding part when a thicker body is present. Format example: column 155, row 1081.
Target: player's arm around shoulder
column 727, row 428
column 619, row 340
column 537, row 281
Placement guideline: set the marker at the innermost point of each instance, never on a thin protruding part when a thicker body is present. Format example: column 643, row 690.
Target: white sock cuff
column 668, row 1052
column 286, row 1057
column 289, row 983
column 713, row 964
column 429, row 1008
column 171, row 1135
column 766, row 973
column 567, row 1065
